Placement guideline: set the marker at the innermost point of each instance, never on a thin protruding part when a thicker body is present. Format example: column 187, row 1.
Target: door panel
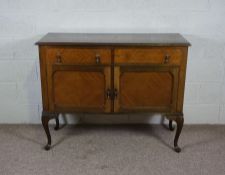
column 80, row 88
column 146, row 88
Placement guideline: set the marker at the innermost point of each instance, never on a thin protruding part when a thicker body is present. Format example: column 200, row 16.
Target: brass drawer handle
column 97, row 59
column 166, row 59
column 58, row 58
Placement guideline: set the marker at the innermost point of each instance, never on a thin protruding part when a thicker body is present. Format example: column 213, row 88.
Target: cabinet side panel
column 181, row 85
column 44, row 87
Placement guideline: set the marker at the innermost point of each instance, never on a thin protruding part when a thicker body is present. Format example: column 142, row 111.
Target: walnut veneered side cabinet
column 113, row 73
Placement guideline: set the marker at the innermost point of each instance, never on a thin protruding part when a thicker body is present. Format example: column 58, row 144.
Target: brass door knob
column 115, row 93
column 108, row 93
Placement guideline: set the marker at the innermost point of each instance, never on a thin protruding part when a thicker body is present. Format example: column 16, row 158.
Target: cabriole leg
column 45, row 119
column 180, row 121
column 46, row 116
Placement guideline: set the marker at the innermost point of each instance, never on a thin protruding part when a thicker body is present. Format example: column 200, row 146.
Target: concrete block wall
column 23, row 22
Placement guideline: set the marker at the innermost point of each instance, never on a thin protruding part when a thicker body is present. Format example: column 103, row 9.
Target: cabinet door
column 80, row 88
column 145, row 88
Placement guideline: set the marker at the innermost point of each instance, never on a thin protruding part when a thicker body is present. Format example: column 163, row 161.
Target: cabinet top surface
column 114, row 39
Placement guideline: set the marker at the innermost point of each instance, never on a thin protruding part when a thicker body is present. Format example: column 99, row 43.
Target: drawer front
column 153, row 55
column 71, row 55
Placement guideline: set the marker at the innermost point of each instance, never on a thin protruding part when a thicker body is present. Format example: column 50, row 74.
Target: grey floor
column 112, row 150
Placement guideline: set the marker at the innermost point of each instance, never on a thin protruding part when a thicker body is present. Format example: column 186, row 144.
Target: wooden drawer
column 72, row 55
column 153, row 55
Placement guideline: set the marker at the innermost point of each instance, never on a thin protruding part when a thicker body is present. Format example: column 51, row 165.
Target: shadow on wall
column 205, row 67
